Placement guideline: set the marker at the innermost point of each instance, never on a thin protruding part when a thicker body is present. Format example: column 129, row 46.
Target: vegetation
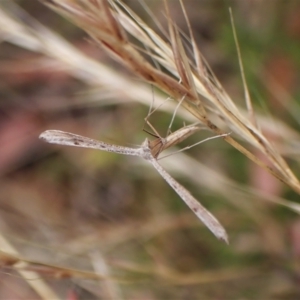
column 84, row 224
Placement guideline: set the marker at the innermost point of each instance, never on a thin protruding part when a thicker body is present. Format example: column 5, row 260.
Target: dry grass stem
column 111, row 290
column 246, row 91
column 164, row 273
column 32, row 271
column 9, row 257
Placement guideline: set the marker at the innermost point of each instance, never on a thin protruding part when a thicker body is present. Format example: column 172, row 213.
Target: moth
column 149, row 151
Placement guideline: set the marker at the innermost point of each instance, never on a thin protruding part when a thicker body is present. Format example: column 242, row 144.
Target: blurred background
column 113, row 215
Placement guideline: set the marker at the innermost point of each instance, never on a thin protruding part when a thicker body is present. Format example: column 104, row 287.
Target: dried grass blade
column 33, row 279
column 181, row 59
column 135, row 24
column 114, row 25
column 186, row 65
column 246, row 90
column 197, row 55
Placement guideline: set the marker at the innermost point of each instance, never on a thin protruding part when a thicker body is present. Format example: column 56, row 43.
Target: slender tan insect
column 160, row 144
column 173, row 138
column 147, row 152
